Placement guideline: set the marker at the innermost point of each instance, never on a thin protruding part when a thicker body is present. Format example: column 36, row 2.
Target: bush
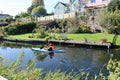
column 84, row 29
column 114, row 69
column 3, row 23
column 20, row 28
column 2, row 32
column 73, row 30
column 111, row 30
column 81, row 29
column 40, row 32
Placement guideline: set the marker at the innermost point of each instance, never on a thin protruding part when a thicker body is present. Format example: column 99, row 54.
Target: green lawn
column 96, row 37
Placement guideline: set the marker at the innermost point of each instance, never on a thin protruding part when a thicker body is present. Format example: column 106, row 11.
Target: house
column 62, row 8
column 96, row 5
column 75, row 5
column 93, row 7
column 80, row 5
column 5, row 16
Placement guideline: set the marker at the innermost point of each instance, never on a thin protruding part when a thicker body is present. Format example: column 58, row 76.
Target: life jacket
column 52, row 46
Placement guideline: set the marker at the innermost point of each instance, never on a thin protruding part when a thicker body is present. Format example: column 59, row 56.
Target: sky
column 14, row 7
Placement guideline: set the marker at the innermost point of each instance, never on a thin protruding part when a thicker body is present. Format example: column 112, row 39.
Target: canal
column 74, row 59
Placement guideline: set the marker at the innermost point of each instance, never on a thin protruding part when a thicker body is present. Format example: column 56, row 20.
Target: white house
column 62, row 8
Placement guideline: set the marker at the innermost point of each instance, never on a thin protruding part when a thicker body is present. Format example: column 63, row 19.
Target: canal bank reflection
column 40, row 56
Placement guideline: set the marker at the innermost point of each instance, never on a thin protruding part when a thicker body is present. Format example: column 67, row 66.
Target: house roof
column 5, row 15
column 38, row 15
column 65, row 4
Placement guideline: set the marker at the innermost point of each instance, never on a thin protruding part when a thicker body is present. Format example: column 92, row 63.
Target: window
column 93, row 1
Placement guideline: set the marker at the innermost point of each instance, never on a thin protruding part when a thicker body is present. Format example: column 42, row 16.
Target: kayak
column 46, row 51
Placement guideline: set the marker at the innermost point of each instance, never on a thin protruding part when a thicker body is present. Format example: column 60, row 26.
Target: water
column 76, row 59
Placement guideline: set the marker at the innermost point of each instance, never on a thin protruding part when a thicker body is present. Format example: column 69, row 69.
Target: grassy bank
column 96, row 37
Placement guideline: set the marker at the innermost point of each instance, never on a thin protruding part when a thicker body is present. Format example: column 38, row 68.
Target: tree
column 29, row 10
column 38, row 3
column 113, row 5
column 37, row 7
column 103, row 17
column 114, row 19
column 22, row 14
column 39, row 10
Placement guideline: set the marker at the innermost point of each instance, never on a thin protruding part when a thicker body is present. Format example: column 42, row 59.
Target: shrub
column 40, row 32
column 20, row 28
column 3, row 23
column 81, row 29
column 111, row 30
column 114, row 69
column 73, row 30
column 84, row 29
column 2, row 32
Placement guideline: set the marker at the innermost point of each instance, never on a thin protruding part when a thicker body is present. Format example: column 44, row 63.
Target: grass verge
column 96, row 37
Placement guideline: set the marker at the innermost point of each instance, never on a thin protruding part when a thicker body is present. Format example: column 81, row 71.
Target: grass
column 96, row 37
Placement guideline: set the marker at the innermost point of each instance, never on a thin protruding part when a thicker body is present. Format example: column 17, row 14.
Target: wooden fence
column 54, row 17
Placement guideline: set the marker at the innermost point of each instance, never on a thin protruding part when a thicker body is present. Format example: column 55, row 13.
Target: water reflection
column 40, row 56
column 51, row 54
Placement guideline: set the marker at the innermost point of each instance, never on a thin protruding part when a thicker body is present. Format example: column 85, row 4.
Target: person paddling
column 51, row 47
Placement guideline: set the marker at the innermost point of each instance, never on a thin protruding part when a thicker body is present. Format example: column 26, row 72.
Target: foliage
column 114, row 69
column 110, row 20
column 20, row 28
column 72, row 22
column 105, row 17
column 81, row 29
column 113, row 5
column 83, row 17
column 37, row 7
column 40, row 32
column 84, row 29
column 29, row 10
column 38, row 10
column 2, row 32
column 73, row 30
column 114, row 18
column 14, row 72
column 68, row 25
column 3, row 23
column 22, row 14
column 38, row 3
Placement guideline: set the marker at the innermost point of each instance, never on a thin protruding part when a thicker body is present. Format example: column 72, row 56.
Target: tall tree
column 37, row 7
column 113, row 5
column 39, row 10
column 38, row 3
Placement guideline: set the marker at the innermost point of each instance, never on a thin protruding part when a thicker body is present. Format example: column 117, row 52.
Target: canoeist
column 51, row 47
